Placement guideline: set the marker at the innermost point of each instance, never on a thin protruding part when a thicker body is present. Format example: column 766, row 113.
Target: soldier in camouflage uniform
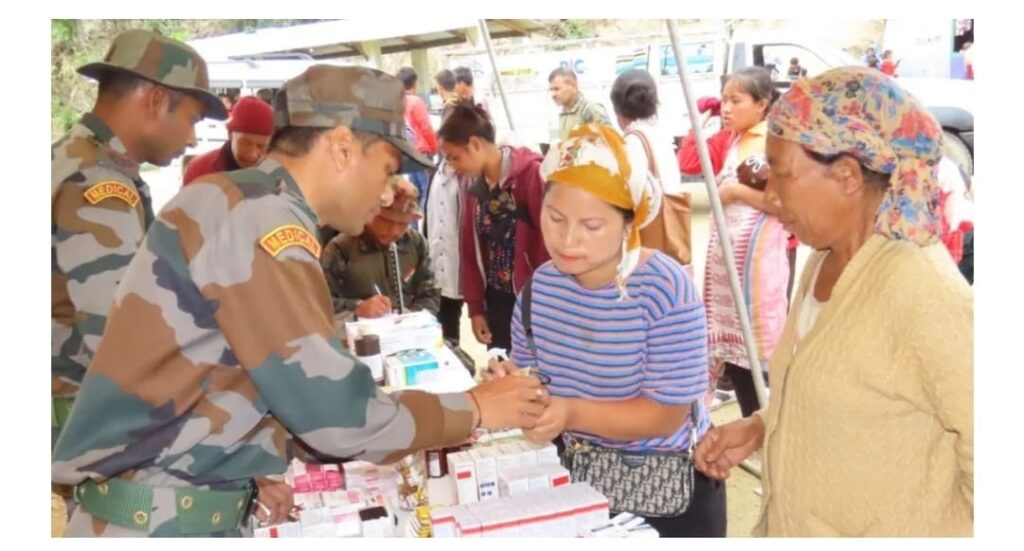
column 390, row 257
column 152, row 91
column 220, row 361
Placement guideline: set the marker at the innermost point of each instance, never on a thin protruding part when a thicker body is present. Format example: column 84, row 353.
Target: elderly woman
column 870, row 429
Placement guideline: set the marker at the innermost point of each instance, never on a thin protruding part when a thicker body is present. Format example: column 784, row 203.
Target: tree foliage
column 74, row 42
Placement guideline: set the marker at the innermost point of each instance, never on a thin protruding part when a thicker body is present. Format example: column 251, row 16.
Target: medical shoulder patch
column 112, row 188
column 290, row 235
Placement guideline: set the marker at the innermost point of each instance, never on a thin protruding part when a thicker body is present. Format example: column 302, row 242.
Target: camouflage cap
column 364, row 99
column 162, row 61
column 404, row 208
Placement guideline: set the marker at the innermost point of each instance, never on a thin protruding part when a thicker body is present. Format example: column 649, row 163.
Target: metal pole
column 719, row 216
column 486, row 34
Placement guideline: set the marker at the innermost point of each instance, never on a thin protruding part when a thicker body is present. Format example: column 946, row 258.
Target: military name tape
column 112, row 188
column 291, row 235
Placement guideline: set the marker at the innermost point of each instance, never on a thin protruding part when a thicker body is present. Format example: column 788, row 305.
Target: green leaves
column 61, row 30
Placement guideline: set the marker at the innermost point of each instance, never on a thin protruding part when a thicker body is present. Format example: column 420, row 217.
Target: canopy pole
column 719, row 216
column 486, row 34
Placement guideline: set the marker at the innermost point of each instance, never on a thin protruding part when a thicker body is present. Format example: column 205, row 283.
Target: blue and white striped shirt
column 596, row 347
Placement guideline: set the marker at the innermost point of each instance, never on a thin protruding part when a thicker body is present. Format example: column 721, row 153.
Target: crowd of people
column 195, row 351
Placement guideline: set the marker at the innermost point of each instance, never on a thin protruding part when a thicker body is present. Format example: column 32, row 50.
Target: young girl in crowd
column 758, row 238
column 501, row 240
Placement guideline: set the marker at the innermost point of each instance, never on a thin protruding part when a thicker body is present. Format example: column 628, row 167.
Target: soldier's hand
column 481, row 329
column 275, row 497
column 374, row 307
column 511, row 402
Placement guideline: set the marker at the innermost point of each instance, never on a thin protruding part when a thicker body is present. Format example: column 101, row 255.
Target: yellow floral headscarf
column 594, row 159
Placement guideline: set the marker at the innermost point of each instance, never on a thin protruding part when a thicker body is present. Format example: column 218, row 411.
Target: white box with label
column 486, row 466
column 463, row 470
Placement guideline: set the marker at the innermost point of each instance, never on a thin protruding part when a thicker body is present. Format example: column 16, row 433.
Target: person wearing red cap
column 249, row 130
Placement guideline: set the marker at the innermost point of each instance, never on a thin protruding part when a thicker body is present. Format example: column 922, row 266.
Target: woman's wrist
column 570, row 411
column 478, row 414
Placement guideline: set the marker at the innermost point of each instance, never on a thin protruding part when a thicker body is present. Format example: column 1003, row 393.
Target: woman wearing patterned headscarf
column 620, row 330
column 870, row 427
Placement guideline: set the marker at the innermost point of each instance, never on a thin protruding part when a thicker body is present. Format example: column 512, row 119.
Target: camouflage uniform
column 583, row 111
column 220, row 361
column 101, row 208
column 353, row 265
column 356, row 267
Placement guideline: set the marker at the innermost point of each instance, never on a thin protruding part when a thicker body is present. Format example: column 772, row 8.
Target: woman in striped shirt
column 619, row 330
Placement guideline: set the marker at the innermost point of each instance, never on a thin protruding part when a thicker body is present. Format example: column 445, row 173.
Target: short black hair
column 564, row 72
column 464, row 75
column 408, row 77
column 446, row 80
column 877, row 179
column 635, row 95
column 268, row 94
column 119, row 84
column 296, row 141
column 466, row 120
column 794, row 61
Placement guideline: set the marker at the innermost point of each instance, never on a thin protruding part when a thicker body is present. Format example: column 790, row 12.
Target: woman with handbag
column 619, row 332
column 635, row 102
column 758, row 239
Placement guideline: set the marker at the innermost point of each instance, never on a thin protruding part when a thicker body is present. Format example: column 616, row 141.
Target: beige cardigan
column 870, row 426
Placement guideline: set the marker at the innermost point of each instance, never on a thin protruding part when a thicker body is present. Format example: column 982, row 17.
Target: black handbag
column 648, row 484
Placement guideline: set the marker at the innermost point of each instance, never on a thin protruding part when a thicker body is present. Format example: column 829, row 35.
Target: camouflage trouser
column 163, row 521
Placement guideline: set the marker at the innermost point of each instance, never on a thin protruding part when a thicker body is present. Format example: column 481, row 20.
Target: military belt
column 128, row 505
column 61, row 410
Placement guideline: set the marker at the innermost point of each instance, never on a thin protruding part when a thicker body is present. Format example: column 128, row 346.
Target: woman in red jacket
column 501, row 243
